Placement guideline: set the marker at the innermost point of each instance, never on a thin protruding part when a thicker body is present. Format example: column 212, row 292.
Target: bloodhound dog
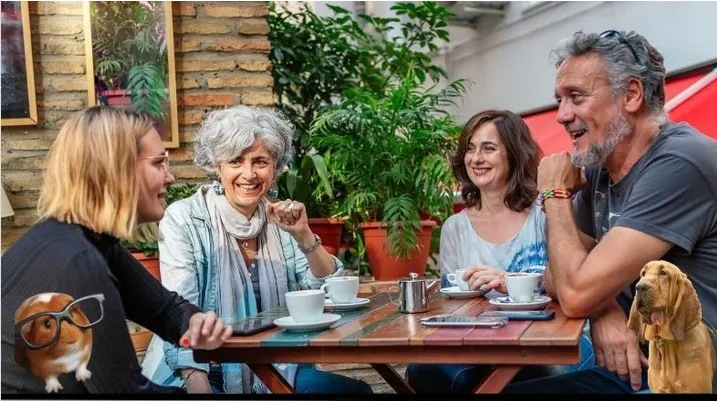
column 667, row 313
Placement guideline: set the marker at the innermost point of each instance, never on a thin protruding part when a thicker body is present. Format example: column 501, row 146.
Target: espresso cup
column 342, row 289
column 522, row 287
column 306, row 305
column 457, row 279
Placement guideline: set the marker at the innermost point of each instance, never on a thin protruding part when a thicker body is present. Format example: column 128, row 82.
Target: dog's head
column 664, row 297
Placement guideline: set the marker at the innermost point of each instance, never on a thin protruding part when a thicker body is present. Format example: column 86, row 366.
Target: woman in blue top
column 227, row 249
column 501, row 230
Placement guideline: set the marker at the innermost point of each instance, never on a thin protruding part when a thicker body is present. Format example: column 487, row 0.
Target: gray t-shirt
column 670, row 193
column 462, row 247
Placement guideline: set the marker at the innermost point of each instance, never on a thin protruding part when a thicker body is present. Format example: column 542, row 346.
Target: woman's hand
column 290, row 216
column 205, row 331
column 478, row 276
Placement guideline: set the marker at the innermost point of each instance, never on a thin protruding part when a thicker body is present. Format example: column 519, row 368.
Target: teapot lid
column 412, row 277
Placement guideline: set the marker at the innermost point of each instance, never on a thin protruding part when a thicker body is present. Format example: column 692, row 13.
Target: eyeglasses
column 610, row 34
column 164, row 157
column 42, row 329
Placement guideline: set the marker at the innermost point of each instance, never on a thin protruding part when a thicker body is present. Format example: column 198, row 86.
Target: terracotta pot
column 151, row 263
column 457, row 207
column 389, row 267
column 141, row 339
column 426, row 216
column 329, row 230
column 117, row 97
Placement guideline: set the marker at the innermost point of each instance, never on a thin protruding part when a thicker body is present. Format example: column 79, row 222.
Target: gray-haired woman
column 228, row 249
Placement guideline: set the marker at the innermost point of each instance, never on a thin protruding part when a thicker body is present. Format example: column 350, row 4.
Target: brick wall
column 221, row 58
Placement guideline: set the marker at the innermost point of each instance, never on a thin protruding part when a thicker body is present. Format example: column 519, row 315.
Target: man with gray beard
column 648, row 192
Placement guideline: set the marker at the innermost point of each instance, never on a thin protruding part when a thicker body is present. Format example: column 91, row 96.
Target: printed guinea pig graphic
column 53, row 335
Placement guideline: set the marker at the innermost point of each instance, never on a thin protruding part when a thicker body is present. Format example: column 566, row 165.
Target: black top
column 65, row 258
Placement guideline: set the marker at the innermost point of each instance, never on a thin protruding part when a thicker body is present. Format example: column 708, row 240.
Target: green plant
column 391, row 152
column 315, row 60
column 145, row 240
column 130, row 52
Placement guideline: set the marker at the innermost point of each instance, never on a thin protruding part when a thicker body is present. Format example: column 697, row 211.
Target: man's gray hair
column 621, row 65
column 225, row 134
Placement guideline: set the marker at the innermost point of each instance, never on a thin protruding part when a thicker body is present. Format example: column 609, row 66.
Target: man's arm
column 588, row 243
column 614, row 263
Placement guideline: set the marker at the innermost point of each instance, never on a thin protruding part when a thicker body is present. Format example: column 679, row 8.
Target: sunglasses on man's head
column 612, row 34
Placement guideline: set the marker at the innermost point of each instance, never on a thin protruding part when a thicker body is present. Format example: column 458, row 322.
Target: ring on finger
column 290, row 206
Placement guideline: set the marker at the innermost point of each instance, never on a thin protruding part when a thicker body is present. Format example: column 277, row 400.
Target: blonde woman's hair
column 90, row 175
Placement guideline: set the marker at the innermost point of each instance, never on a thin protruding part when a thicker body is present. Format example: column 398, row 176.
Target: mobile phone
column 251, row 325
column 544, row 314
column 464, row 321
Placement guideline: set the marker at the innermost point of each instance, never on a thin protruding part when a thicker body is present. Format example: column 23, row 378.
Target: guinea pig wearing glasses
column 71, row 349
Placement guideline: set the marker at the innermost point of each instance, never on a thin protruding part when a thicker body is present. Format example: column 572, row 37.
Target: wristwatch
column 311, row 247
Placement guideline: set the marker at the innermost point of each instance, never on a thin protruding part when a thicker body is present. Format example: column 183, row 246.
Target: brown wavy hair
column 523, row 157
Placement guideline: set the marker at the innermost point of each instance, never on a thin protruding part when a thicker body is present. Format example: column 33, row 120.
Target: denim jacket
column 188, row 266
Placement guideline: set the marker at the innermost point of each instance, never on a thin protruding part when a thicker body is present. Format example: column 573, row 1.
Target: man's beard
column 595, row 155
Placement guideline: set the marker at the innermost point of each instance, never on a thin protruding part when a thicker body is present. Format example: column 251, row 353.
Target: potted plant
column 314, row 60
column 388, row 139
column 391, row 153
column 130, row 55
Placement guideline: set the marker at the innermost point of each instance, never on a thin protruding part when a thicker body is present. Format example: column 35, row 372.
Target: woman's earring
column 273, row 193
column 218, row 188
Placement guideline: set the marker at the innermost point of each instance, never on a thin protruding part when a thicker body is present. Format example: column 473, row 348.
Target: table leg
column 498, row 379
column 393, row 378
column 271, row 378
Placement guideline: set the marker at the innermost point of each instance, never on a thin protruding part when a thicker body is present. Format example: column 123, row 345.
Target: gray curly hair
column 225, row 134
column 621, row 64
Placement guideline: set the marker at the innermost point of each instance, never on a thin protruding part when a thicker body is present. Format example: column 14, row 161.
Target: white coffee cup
column 342, row 289
column 457, row 279
column 305, row 305
column 522, row 287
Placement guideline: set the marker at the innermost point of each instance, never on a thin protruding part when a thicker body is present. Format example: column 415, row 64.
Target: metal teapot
column 414, row 293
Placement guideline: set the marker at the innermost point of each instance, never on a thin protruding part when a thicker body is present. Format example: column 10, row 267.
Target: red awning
column 695, row 109
column 697, row 105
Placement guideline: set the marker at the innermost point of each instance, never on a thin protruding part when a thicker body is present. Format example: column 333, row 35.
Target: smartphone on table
column 464, row 321
column 543, row 314
column 251, row 325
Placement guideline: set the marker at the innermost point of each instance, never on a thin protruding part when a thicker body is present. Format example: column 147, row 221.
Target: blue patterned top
column 462, row 247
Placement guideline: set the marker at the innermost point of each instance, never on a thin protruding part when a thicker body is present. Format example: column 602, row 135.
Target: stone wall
column 221, row 57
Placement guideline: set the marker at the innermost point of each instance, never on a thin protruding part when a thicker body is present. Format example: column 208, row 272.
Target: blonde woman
column 107, row 171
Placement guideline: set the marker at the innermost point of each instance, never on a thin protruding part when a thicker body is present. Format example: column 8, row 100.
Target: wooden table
column 379, row 335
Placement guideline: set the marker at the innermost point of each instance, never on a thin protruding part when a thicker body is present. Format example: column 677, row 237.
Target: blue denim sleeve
column 179, row 273
column 181, row 358
column 301, row 277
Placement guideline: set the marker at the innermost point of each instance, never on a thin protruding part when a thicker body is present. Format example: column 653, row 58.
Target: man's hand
column 205, row 331
column 557, row 171
column 616, row 347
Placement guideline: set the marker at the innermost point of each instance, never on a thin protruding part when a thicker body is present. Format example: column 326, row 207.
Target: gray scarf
column 235, row 298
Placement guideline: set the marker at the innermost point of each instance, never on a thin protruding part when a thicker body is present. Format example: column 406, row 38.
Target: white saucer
column 355, row 304
column 455, row 292
column 326, row 320
column 504, row 303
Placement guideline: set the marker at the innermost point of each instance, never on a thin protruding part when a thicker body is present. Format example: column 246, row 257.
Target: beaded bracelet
column 553, row 193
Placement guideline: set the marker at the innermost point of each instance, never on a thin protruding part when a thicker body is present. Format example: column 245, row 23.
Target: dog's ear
column 634, row 323
column 686, row 310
